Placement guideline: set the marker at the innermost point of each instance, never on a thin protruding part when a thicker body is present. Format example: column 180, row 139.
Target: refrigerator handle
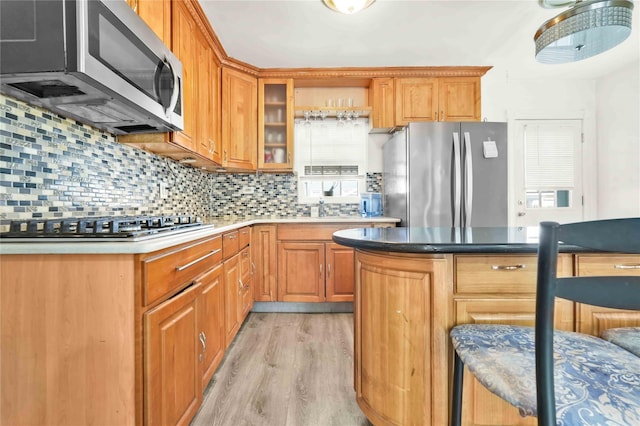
column 468, row 174
column 457, row 177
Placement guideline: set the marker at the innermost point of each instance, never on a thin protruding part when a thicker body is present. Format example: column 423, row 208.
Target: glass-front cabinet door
column 275, row 124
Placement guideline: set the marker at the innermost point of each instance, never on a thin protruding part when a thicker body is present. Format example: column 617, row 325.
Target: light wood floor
column 286, row 369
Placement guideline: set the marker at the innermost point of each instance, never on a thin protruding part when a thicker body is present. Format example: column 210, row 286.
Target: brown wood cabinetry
column 311, row 268
column 398, row 101
column 416, row 99
column 173, row 384
column 156, row 14
column 184, row 47
column 339, row 279
column 238, row 274
column 239, row 120
column 275, row 124
column 300, row 272
column 187, row 35
column 382, row 98
column 211, row 322
column 437, row 99
column 208, row 101
column 400, row 315
column 594, row 319
column 263, row 253
column 496, row 289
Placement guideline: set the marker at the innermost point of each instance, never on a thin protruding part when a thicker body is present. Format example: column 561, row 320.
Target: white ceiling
column 304, row 33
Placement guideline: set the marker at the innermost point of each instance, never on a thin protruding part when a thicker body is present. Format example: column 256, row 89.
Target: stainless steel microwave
column 95, row 61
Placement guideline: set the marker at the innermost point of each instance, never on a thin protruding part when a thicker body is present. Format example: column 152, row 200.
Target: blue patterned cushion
column 596, row 382
column 627, row 337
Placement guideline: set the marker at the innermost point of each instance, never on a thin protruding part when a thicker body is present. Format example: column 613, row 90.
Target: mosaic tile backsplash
column 51, row 166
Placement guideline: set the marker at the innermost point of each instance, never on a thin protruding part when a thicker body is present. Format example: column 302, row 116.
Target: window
column 331, row 160
column 550, row 164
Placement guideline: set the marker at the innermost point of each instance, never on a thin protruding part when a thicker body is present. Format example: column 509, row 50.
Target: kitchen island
column 414, row 284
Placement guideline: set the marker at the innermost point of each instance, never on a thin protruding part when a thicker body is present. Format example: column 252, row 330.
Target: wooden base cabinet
column 401, row 340
column 211, row 335
column 263, row 254
column 594, row 319
column 500, row 289
column 315, row 272
column 300, row 272
column 172, row 370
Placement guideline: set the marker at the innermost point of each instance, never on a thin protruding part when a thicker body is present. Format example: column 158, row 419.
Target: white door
column 548, row 171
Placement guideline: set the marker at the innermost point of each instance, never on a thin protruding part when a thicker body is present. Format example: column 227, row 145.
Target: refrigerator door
column 395, row 177
column 432, row 177
column 485, row 191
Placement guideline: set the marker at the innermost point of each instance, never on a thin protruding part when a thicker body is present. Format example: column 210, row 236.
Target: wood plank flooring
column 286, row 370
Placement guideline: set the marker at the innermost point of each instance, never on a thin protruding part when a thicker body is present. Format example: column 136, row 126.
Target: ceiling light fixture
column 348, row 7
column 586, row 29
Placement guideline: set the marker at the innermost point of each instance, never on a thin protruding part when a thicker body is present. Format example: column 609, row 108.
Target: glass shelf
column 365, row 111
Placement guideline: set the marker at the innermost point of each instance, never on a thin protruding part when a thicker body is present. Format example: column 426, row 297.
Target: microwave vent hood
column 91, row 60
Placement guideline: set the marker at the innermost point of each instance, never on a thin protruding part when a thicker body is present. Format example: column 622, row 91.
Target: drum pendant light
column 348, row 7
column 586, row 29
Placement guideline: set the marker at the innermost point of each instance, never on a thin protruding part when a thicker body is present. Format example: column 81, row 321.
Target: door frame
column 589, row 157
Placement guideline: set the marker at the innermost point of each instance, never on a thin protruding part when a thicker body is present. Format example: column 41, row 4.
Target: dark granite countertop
column 446, row 240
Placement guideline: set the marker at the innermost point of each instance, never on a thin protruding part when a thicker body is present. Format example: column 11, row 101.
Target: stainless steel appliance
column 447, row 174
column 92, row 60
column 111, row 228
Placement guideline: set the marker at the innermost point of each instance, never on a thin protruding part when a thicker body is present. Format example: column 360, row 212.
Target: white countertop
column 213, row 226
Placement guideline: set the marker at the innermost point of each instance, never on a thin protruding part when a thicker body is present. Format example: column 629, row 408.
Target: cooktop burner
column 113, row 227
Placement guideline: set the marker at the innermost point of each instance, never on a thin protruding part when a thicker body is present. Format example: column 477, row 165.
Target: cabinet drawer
column 167, row 272
column 593, row 265
column 502, row 274
column 230, row 244
column 244, row 237
column 314, row 232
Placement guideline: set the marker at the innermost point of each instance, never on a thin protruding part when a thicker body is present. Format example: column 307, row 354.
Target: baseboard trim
column 300, row 307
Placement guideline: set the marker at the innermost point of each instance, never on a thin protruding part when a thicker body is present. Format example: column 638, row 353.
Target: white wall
column 610, row 110
column 508, row 99
column 618, row 142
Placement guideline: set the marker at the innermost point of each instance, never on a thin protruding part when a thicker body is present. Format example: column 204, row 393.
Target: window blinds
column 550, row 155
column 324, row 143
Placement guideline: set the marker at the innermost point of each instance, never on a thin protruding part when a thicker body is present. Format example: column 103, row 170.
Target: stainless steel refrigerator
column 447, row 174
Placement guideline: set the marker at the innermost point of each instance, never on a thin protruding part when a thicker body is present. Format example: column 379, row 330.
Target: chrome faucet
column 321, row 211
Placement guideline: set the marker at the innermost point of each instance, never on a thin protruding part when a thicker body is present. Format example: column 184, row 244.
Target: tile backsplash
column 51, row 166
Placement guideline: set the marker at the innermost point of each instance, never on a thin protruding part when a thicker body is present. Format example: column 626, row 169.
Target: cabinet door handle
column 240, row 284
column 621, row 266
column 508, row 267
column 203, row 341
column 232, row 236
column 201, row 258
column 328, row 270
column 253, row 268
column 321, row 270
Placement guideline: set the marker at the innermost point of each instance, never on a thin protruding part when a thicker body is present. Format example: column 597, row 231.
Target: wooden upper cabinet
column 275, row 124
column 399, row 101
column 184, row 47
column 459, row 99
column 239, row 120
column 381, row 96
column 157, row 14
column 416, row 99
column 208, row 95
